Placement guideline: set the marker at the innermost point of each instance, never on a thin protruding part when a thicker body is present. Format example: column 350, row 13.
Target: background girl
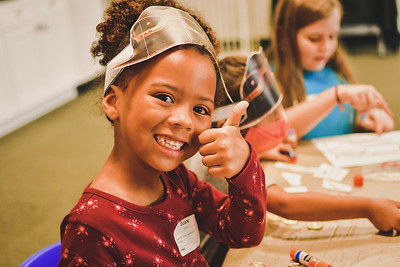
column 310, row 65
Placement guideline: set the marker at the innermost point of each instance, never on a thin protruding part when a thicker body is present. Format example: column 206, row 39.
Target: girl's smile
column 168, row 143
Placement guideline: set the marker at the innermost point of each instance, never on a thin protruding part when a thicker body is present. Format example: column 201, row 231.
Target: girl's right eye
column 164, row 97
column 315, row 39
column 201, row 110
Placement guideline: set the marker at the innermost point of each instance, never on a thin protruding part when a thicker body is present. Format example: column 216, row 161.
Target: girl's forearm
column 311, row 206
column 304, row 116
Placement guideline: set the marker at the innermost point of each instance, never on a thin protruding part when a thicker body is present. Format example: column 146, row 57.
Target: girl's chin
column 316, row 67
column 167, row 166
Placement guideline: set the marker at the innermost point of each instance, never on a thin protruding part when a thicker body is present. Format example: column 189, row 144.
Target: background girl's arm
column 307, row 114
column 384, row 214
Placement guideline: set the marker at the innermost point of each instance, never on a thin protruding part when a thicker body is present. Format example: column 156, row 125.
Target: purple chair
column 46, row 257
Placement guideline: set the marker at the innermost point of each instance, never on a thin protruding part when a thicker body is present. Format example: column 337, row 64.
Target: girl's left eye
column 165, row 98
column 201, row 110
column 315, row 39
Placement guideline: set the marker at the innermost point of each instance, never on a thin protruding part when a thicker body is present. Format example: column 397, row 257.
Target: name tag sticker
column 187, row 235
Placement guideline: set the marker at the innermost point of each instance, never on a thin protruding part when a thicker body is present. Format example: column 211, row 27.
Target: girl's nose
column 324, row 45
column 182, row 117
column 327, row 44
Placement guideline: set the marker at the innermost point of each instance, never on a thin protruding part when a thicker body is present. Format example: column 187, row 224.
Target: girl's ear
column 110, row 102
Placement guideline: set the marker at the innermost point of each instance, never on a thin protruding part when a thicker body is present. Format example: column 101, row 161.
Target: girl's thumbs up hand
column 224, row 150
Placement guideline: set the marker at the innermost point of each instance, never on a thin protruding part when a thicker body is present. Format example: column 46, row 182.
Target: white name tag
column 187, row 235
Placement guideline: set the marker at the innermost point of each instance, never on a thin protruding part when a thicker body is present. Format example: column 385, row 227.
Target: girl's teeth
column 175, row 145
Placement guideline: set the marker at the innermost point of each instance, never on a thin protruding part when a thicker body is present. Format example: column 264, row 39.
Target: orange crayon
column 306, row 259
column 358, row 180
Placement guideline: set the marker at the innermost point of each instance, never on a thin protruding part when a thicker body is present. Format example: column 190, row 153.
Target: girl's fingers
column 236, row 114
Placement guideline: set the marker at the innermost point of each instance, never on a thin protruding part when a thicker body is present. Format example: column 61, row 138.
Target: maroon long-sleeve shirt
column 104, row 230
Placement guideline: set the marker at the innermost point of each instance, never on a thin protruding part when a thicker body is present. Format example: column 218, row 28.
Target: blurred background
column 53, row 135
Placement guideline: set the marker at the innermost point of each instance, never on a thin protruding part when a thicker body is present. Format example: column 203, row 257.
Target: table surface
column 354, row 242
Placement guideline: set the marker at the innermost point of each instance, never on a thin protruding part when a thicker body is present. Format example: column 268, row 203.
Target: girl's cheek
column 334, row 47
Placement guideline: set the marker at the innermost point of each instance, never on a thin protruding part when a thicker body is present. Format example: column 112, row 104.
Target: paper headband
column 158, row 29
column 259, row 88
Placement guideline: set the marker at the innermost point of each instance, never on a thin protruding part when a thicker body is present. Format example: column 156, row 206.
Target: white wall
column 85, row 15
column 398, row 15
column 238, row 24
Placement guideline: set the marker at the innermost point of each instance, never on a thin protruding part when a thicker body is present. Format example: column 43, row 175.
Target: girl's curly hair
column 118, row 20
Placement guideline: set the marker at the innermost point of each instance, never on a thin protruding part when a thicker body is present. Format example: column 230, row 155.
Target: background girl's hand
column 385, row 214
column 275, row 154
column 378, row 121
column 362, row 97
column 224, row 150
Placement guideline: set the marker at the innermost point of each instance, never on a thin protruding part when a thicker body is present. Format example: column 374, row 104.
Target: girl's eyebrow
column 207, row 99
column 176, row 90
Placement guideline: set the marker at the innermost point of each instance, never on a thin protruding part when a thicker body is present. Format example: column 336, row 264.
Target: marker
column 306, row 259
column 290, row 153
column 292, row 137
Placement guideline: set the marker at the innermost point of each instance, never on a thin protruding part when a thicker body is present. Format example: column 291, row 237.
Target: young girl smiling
column 145, row 208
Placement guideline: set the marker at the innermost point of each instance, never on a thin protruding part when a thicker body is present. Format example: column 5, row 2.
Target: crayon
column 306, row 259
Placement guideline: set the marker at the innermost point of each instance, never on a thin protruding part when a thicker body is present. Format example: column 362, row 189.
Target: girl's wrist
column 338, row 100
column 367, row 208
column 339, row 97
